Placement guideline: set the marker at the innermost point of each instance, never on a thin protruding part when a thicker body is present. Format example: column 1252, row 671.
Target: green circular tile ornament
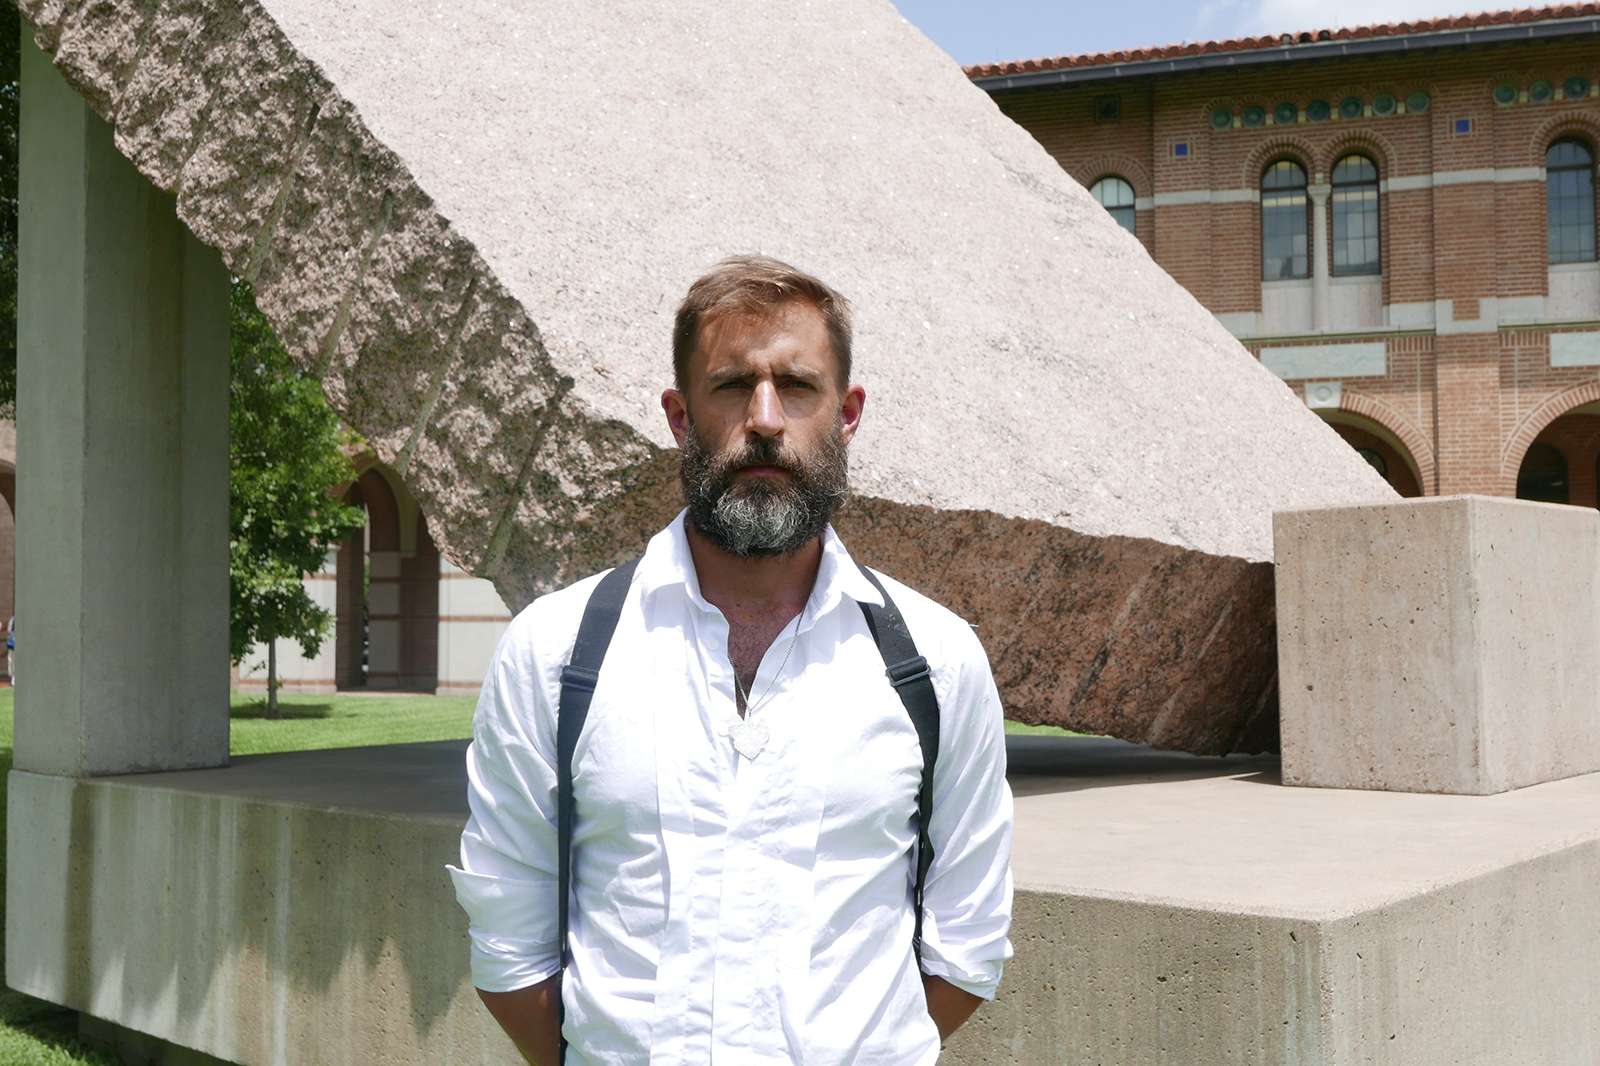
column 1505, row 94
column 1350, row 107
column 1220, row 119
column 1254, row 116
column 1541, row 91
column 1318, row 111
column 1418, row 101
column 1383, row 104
column 1285, row 113
column 1576, row 87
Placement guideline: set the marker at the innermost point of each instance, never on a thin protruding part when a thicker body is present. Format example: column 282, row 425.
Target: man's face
column 763, row 423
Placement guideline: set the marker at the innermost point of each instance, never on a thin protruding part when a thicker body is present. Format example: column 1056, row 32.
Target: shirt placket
column 765, row 897
column 693, row 792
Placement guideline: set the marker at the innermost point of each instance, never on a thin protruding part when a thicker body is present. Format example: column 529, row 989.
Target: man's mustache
column 763, row 452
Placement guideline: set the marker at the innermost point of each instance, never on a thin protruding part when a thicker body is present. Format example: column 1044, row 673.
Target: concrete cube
column 1441, row 645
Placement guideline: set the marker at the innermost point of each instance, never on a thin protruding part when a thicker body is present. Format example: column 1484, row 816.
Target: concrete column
column 1320, row 283
column 122, row 376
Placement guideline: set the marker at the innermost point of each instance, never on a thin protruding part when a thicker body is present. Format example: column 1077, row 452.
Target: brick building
column 1398, row 220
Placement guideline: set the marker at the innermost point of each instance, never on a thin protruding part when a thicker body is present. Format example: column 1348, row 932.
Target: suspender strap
column 908, row 673
column 578, row 680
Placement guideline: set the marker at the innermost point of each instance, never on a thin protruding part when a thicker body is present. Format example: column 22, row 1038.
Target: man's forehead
column 794, row 332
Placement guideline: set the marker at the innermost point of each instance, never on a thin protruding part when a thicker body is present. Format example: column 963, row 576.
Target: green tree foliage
column 287, row 450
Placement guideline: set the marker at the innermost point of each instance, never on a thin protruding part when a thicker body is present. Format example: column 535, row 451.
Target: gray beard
column 763, row 519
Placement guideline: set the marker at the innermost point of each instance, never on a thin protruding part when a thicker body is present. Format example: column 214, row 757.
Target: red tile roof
column 1282, row 40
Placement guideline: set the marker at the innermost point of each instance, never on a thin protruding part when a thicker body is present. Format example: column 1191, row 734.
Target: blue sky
column 977, row 31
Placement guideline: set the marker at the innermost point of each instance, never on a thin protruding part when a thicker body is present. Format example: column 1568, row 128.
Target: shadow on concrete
column 1043, row 765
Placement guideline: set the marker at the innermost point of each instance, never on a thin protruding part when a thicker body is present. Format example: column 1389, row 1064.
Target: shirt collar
column 667, row 563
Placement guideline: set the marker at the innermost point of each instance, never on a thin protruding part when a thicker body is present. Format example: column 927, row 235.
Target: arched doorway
column 1562, row 464
column 1380, row 448
column 387, row 598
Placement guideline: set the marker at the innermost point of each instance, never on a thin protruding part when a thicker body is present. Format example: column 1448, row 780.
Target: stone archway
column 1561, row 464
column 387, row 592
column 1382, row 450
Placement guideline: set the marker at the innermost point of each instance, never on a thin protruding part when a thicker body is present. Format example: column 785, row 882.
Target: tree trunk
column 272, row 679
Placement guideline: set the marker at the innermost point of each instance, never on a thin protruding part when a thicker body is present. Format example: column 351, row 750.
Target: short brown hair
column 756, row 285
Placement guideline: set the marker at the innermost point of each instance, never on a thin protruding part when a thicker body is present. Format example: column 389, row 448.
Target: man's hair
column 759, row 286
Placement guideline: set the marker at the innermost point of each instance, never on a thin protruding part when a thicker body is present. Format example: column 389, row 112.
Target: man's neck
column 741, row 586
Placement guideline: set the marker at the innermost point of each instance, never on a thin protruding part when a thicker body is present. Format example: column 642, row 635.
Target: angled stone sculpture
column 474, row 220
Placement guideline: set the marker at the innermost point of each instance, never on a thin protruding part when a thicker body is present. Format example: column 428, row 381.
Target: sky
column 980, row 31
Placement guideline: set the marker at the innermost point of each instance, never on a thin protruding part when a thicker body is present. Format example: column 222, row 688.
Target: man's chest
column 840, row 755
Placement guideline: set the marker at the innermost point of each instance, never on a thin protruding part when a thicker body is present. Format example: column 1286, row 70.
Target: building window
column 1285, row 222
column 1569, row 201
column 1355, row 217
column 1116, row 196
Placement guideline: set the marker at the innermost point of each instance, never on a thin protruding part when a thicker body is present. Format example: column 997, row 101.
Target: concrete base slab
column 1171, row 910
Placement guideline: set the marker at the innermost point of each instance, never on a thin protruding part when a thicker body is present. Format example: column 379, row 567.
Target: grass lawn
column 33, row 1033
column 345, row 721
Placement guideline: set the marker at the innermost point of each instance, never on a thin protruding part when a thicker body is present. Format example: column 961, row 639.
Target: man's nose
column 765, row 415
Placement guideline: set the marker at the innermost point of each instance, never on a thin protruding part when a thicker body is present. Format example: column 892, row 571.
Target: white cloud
column 1284, row 16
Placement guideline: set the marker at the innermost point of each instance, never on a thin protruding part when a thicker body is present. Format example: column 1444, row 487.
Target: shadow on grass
column 35, row 1032
column 286, row 711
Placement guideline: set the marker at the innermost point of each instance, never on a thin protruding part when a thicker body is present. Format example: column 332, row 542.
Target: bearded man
column 751, row 826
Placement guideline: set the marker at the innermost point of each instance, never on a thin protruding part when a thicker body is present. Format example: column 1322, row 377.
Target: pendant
column 749, row 736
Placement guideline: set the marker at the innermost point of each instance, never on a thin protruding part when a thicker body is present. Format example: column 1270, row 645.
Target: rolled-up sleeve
column 507, row 878
column 967, row 899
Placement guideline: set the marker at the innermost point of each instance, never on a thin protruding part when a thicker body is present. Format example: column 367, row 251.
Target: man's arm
column 507, row 881
column 948, row 1006
column 967, row 900
column 531, row 1017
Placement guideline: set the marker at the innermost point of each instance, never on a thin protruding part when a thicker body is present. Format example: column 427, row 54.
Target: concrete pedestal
column 1439, row 645
column 122, row 587
column 1171, row 911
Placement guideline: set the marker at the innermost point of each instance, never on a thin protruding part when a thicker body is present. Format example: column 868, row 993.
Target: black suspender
column 578, row 679
column 907, row 671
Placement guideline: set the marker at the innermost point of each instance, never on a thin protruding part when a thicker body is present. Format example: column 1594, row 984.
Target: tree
column 287, row 450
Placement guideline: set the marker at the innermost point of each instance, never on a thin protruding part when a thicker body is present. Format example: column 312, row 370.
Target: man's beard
column 763, row 516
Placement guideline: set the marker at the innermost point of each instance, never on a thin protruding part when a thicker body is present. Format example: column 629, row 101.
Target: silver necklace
column 749, row 734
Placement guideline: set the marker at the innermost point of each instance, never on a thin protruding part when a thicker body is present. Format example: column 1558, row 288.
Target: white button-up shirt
column 733, row 911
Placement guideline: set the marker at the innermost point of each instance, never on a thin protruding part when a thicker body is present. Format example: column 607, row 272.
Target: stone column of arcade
column 123, row 418
column 1320, row 284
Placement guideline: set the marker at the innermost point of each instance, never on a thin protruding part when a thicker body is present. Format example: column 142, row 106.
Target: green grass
column 1019, row 729
column 345, row 721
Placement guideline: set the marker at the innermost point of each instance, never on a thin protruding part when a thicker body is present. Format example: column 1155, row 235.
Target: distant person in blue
column 11, row 649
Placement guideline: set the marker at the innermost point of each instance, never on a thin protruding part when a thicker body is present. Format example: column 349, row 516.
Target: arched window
column 1355, row 217
column 1543, row 475
column 1116, row 196
column 1569, row 201
column 1285, row 225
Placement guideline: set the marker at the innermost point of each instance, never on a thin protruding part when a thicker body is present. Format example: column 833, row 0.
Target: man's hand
column 531, row 1017
column 948, row 1005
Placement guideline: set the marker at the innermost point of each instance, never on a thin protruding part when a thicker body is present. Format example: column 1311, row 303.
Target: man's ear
column 855, row 400
column 676, row 408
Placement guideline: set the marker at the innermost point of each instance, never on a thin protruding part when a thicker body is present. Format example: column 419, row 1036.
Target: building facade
column 1399, row 221
column 405, row 619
